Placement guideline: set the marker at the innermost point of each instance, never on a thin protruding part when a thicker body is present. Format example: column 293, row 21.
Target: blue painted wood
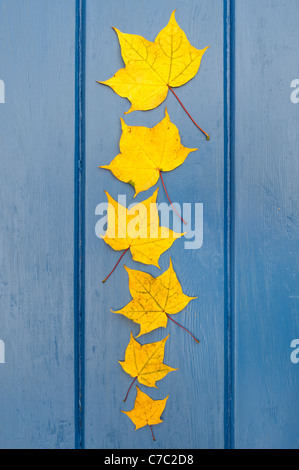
column 37, row 57
column 266, row 224
column 238, row 387
column 194, row 414
column 228, row 236
column 79, row 225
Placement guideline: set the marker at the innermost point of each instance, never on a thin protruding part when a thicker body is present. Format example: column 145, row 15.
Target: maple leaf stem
column 116, row 265
column 129, row 389
column 170, row 200
column 205, row 133
column 168, row 316
column 152, row 432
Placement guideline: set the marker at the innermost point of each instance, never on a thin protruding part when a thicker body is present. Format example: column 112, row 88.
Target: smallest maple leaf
column 145, row 362
column 146, row 411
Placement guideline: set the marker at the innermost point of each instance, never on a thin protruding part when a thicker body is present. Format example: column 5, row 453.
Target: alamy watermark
column 295, row 352
column 295, row 92
column 2, row 352
column 145, row 223
column 2, row 91
column 295, row 343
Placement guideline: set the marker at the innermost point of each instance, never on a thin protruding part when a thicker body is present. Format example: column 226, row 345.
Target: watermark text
column 2, row 352
column 295, row 92
column 144, row 221
column 295, row 352
column 2, row 91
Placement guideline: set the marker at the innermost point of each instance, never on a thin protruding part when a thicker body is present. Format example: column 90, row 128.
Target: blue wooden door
column 61, row 385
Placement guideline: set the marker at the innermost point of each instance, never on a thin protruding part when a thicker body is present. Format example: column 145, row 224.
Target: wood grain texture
column 194, row 413
column 49, row 372
column 37, row 166
column 266, row 224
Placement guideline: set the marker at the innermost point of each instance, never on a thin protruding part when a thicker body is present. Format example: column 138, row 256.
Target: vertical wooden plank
column 37, row 57
column 228, row 235
column 79, row 225
column 266, row 224
column 194, row 414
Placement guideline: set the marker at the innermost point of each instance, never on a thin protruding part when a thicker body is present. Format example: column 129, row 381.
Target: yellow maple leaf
column 146, row 411
column 145, row 362
column 154, row 299
column 151, row 68
column 137, row 229
column 145, row 152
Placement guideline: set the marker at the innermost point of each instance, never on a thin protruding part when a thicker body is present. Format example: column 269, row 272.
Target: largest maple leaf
column 152, row 68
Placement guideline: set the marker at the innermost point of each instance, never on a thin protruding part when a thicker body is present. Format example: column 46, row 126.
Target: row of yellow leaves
column 151, row 68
